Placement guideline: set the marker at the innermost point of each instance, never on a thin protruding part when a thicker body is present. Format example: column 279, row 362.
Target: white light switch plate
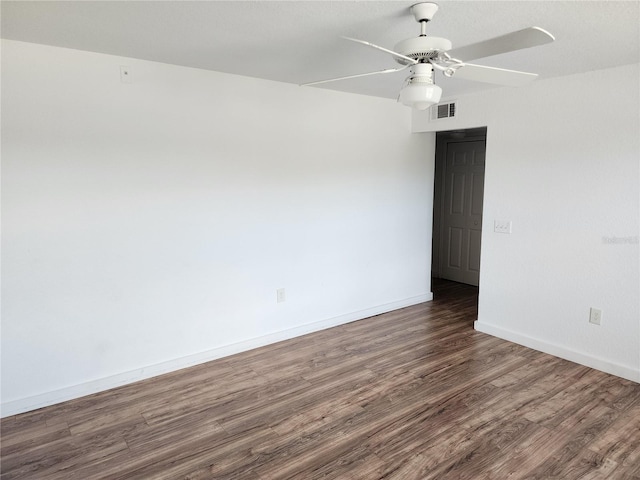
column 502, row 226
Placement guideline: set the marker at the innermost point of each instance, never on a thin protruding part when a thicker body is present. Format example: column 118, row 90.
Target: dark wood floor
column 414, row 394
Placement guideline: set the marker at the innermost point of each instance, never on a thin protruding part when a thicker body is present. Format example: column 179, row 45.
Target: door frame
column 443, row 138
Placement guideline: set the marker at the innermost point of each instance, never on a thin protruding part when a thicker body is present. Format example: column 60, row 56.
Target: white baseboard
column 559, row 351
column 50, row 398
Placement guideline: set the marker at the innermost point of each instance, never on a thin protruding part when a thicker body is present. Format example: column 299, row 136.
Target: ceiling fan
column 423, row 55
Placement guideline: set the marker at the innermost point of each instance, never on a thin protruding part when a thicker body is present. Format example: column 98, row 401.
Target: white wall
column 147, row 226
column 563, row 164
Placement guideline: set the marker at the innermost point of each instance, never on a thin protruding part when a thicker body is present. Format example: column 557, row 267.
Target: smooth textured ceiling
column 299, row 41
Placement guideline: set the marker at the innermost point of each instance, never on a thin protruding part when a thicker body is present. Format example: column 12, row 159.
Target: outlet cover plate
column 595, row 316
column 502, row 226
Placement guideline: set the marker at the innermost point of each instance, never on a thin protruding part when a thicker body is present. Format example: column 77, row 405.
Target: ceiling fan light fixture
column 420, row 95
column 420, row 92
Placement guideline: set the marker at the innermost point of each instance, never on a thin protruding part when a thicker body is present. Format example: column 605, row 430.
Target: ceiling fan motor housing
column 421, row 48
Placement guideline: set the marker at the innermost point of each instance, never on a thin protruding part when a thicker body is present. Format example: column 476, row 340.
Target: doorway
column 457, row 205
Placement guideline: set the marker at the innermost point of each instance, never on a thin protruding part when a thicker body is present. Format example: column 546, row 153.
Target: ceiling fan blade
column 497, row 76
column 529, row 37
column 388, row 70
column 412, row 61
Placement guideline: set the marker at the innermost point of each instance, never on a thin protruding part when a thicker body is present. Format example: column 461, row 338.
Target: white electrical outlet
column 280, row 295
column 502, row 226
column 595, row 316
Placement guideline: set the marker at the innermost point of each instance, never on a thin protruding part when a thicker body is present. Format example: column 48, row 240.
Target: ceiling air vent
column 443, row 110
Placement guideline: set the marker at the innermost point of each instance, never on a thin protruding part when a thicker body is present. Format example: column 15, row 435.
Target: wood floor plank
column 59, row 456
column 413, row 394
column 588, row 465
column 177, row 461
column 579, row 436
column 219, row 395
column 533, row 450
column 32, row 437
column 620, row 441
column 473, row 460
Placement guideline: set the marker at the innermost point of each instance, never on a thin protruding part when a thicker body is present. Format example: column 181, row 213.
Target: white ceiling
column 299, row 41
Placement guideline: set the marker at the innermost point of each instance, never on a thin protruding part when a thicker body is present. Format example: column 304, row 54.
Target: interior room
column 174, row 196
